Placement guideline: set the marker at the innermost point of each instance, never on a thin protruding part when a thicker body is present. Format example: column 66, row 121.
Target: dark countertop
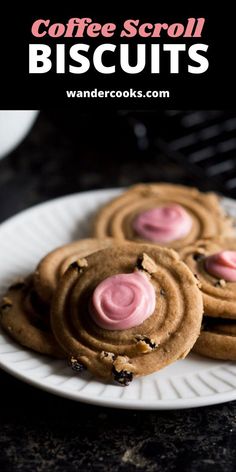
column 42, row 432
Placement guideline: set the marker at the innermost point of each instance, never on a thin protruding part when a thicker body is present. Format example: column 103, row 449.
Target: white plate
column 14, row 126
column 24, row 239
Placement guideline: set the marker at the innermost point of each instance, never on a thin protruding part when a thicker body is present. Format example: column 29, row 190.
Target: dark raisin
column 124, row 377
column 150, row 343
column 139, row 263
column 74, row 265
column 162, row 292
column 198, row 257
column 75, row 364
column 196, row 276
column 17, row 286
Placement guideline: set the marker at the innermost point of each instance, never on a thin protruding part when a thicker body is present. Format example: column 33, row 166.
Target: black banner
column 166, row 58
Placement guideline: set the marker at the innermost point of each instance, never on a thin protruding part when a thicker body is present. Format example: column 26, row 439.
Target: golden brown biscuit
column 219, row 295
column 165, row 336
column 54, row 264
column 26, row 316
column 217, row 339
column 25, row 319
column 118, row 217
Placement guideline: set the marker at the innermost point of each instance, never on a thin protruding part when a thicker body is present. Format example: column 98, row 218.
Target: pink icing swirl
column 123, row 301
column 163, row 224
column 222, row 265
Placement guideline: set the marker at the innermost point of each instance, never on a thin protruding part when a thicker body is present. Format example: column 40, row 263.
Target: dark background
column 67, row 152
column 214, row 88
column 71, row 151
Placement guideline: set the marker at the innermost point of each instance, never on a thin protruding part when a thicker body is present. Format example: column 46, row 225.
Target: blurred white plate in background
column 14, row 127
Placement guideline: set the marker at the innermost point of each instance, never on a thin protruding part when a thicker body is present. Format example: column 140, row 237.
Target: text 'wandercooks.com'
column 130, row 93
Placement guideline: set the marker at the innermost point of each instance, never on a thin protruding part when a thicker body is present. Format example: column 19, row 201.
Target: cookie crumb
column 220, row 283
column 75, row 364
column 144, row 343
column 120, row 362
column 80, row 264
column 107, row 356
column 162, row 292
column 146, row 263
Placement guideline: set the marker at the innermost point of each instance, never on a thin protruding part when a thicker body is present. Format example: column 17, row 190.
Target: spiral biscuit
column 217, row 339
column 127, row 311
column 23, row 317
column 54, row 264
column 165, row 214
column 213, row 262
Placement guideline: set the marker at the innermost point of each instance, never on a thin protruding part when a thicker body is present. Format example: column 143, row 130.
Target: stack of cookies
column 156, row 279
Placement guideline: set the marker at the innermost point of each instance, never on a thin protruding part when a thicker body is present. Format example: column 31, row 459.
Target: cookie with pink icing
column 214, row 264
column 164, row 214
column 126, row 311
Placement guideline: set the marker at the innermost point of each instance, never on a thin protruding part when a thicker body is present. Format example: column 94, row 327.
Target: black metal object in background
column 203, row 143
column 71, row 151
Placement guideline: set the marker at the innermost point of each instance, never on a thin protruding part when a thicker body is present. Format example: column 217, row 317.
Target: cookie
column 25, row 319
column 127, row 311
column 217, row 339
column 214, row 264
column 164, row 214
column 54, row 264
